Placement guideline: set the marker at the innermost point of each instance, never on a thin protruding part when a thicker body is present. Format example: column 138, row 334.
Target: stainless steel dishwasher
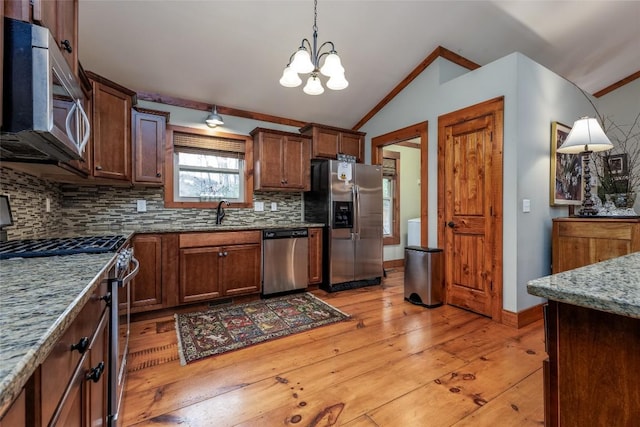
column 285, row 260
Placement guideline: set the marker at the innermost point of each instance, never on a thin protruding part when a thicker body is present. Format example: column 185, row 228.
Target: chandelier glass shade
column 307, row 60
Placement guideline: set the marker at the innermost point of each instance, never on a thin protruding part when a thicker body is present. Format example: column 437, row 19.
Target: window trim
column 394, row 238
column 169, row 201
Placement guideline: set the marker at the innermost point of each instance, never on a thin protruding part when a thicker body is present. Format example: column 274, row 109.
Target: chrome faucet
column 220, row 211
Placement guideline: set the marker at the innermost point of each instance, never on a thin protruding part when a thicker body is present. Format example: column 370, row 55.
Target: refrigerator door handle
column 356, row 213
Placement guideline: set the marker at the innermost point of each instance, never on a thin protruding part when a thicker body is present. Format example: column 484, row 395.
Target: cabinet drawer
column 59, row 366
column 194, row 240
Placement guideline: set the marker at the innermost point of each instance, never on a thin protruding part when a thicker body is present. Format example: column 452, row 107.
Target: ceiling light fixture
column 214, row 119
column 586, row 137
column 307, row 60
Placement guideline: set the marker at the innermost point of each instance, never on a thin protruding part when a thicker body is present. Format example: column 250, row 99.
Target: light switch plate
column 526, row 205
column 258, row 206
column 141, row 205
column 274, row 206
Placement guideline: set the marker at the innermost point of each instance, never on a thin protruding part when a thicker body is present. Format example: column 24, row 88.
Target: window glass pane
column 387, row 209
column 207, row 161
column 209, row 185
column 386, row 188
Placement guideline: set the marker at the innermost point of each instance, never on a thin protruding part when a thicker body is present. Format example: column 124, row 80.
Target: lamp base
column 587, row 208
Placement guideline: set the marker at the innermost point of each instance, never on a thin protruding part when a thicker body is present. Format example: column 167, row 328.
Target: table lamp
column 586, row 137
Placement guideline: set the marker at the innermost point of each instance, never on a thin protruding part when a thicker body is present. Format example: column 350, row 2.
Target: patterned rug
column 231, row 327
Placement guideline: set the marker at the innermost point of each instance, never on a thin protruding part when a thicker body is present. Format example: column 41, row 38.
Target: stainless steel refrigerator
column 347, row 197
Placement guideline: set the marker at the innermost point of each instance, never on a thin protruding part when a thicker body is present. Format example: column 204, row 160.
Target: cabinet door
column 16, row 415
column 148, row 148
column 352, row 145
column 72, row 410
column 315, row 255
column 297, row 163
column 270, row 151
column 67, row 31
column 241, row 269
column 97, row 376
column 111, row 133
column 146, row 288
column 199, row 269
column 325, row 143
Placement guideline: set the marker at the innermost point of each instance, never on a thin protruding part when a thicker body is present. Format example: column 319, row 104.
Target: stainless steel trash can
column 424, row 276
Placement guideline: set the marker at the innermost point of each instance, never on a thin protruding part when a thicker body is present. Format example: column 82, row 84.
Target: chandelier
column 307, row 60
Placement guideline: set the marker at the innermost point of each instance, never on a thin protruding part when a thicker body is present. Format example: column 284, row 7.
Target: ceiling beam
column 617, row 84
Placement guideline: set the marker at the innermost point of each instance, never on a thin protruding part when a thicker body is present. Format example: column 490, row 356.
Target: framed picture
column 566, row 185
column 617, row 164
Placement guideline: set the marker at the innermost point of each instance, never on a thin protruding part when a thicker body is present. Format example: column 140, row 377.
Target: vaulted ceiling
column 232, row 52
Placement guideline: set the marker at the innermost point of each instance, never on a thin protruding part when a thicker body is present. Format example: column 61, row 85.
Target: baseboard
column 394, row 263
column 522, row 318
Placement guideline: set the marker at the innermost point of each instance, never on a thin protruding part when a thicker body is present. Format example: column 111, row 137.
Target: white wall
column 409, row 196
column 533, row 98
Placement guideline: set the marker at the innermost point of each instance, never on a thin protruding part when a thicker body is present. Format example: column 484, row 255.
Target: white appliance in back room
column 413, row 232
column 347, row 197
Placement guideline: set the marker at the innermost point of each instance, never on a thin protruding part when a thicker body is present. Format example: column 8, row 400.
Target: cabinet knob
column 98, row 168
column 106, row 298
column 95, row 373
column 220, row 254
column 81, row 346
column 158, row 175
column 225, row 253
column 66, row 45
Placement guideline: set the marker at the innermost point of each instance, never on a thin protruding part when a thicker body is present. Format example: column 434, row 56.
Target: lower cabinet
column 315, row 256
column 16, row 415
column 72, row 381
column 215, row 265
column 146, row 288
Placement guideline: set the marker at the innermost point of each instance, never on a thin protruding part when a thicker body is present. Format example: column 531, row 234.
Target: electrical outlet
column 47, row 204
column 258, row 206
column 274, row 206
column 141, row 205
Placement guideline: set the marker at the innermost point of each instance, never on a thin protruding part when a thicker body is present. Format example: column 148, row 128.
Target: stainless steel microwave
column 43, row 117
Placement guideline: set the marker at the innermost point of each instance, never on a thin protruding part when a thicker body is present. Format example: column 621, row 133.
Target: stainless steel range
column 121, row 272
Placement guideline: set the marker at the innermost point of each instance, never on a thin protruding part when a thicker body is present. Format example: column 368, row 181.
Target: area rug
column 221, row 329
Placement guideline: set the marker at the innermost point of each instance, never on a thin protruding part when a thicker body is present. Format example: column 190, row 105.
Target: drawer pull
column 106, row 298
column 82, row 345
column 95, row 373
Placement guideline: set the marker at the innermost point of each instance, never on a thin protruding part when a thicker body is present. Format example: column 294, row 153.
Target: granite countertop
column 40, row 297
column 612, row 286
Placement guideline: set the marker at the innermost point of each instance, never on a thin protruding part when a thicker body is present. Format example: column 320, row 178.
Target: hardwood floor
column 392, row 364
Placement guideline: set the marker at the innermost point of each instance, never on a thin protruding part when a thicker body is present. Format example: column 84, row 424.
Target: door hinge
column 491, row 285
column 491, row 136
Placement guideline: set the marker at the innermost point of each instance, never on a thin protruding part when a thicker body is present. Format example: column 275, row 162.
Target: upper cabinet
column 61, row 18
column 149, row 130
column 282, row 160
column 328, row 142
column 111, row 129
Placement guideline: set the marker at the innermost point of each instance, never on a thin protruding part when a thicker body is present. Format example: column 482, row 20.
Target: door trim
column 496, row 108
column 418, row 130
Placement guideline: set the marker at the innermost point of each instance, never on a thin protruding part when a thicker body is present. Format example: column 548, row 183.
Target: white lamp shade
column 337, row 82
column 301, row 63
column 290, row 78
column 313, row 86
column 332, row 65
column 586, row 135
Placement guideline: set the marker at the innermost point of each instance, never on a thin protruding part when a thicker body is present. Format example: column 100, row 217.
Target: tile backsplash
column 110, row 208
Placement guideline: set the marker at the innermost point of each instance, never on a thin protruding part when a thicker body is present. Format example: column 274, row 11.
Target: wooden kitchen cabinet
column 61, row 18
column 64, row 382
column 328, row 142
column 111, row 127
column 282, row 160
column 590, row 377
column 146, row 287
column 149, row 130
column 577, row 242
column 315, row 256
column 16, row 415
column 219, row 264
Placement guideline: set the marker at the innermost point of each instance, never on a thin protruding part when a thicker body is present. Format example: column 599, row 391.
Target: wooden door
column 111, row 132
column 146, row 287
column 241, row 269
column 296, row 163
column 352, row 144
column 199, row 270
column 148, row 148
column 269, row 155
column 470, row 176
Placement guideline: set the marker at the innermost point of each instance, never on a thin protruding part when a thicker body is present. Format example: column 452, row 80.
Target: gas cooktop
column 31, row 248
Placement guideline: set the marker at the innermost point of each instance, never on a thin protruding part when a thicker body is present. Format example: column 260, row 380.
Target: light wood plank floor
column 392, row 364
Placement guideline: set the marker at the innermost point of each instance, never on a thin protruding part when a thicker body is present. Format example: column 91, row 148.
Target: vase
column 618, row 204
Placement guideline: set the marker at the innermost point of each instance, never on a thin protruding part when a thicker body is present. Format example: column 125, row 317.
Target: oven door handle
column 131, row 275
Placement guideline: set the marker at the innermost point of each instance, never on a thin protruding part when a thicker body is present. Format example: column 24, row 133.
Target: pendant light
column 214, row 119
